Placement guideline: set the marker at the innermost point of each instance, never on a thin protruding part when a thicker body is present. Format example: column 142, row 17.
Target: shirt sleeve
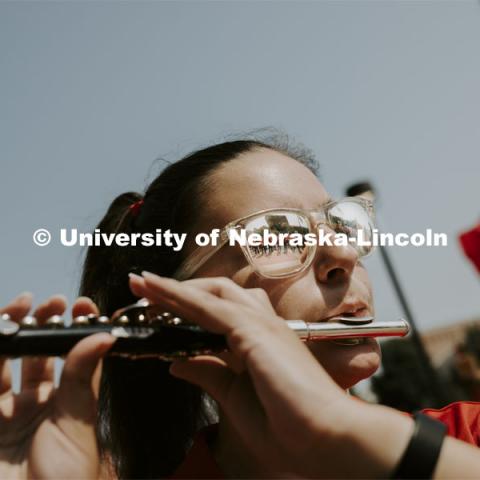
column 462, row 420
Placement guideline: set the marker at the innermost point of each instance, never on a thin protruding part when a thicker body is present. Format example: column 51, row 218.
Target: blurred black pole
column 366, row 189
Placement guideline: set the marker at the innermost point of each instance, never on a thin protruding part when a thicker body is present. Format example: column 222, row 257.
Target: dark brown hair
column 147, row 418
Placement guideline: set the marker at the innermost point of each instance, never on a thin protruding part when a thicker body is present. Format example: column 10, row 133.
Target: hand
column 285, row 406
column 47, row 432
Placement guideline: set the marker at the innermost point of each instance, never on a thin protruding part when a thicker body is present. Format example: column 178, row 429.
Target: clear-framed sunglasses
column 351, row 216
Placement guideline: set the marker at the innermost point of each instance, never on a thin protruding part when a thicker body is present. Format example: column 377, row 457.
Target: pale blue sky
column 92, row 93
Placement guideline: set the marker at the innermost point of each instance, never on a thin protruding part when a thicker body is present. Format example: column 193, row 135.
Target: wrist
column 374, row 437
column 381, row 434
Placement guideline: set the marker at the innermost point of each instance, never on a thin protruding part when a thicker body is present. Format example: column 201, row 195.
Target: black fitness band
column 423, row 450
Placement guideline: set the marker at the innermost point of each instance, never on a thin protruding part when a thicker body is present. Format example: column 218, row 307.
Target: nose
column 334, row 264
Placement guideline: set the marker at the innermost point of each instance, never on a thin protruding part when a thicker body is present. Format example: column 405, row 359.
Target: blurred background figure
column 455, row 355
column 454, row 352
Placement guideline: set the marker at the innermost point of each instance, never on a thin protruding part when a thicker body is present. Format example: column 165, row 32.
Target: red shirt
column 462, row 420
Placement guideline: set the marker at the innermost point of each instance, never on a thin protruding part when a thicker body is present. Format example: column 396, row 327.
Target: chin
column 348, row 365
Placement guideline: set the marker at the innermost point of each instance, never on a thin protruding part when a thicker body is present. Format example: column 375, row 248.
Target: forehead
column 258, row 180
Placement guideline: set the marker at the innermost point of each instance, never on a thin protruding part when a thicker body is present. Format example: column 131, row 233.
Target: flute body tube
column 143, row 330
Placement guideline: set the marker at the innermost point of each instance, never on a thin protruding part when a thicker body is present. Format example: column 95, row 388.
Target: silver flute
column 144, row 330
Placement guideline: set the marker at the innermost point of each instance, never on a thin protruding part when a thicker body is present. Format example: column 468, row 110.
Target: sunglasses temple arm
column 196, row 260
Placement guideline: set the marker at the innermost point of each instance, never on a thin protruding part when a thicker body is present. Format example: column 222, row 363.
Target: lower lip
column 363, row 312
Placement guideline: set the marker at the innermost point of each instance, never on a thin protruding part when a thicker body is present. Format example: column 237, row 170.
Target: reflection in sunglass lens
column 352, row 219
column 288, row 255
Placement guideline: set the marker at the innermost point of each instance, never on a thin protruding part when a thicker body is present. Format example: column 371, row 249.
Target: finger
column 233, row 362
column 36, row 370
column 215, row 314
column 137, row 284
column 96, row 379
column 139, row 288
column 262, row 298
column 234, row 393
column 211, row 374
column 225, row 288
column 154, row 295
column 55, row 305
column 16, row 309
column 75, row 402
column 19, row 306
column 84, row 306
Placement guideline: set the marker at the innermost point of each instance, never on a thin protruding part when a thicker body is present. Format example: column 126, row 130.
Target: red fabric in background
column 462, row 420
column 470, row 242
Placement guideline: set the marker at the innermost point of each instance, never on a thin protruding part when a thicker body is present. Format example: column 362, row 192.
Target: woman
column 148, row 417
column 206, row 190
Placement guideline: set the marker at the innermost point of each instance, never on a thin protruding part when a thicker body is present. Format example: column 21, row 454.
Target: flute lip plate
column 351, row 320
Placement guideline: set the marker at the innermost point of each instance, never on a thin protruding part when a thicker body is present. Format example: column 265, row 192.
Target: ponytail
column 100, row 273
column 138, row 399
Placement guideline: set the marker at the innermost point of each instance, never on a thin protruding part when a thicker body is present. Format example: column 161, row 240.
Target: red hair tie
column 135, row 207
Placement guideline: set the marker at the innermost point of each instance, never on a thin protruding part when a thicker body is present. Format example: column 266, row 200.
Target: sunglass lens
column 289, row 254
column 352, row 219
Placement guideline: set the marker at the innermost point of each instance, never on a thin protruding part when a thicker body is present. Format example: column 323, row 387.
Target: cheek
column 228, row 262
column 290, row 297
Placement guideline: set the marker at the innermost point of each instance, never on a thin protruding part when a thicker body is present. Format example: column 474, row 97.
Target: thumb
column 209, row 373
column 234, row 393
column 75, row 400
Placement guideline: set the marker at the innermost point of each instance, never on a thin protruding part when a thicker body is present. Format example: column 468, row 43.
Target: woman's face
column 335, row 283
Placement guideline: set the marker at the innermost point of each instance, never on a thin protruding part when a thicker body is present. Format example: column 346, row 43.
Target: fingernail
column 134, row 275
column 157, row 278
column 59, row 296
column 24, row 296
column 85, row 299
column 150, row 275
